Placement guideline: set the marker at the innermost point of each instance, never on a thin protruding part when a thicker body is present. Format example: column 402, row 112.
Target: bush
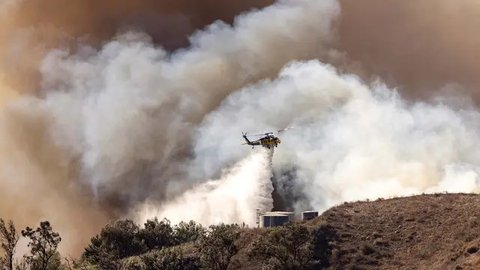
column 169, row 259
column 287, row 247
column 217, row 246
column 134, row 263
column 157, row 234
column 188, row 232
column 124, row 239
column 116, row 241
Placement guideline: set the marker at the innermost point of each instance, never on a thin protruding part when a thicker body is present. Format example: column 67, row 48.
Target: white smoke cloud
column 127, row 112
column 351, row 141
column 234, row 198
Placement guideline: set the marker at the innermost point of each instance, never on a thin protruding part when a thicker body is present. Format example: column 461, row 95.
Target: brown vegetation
column 439, row 231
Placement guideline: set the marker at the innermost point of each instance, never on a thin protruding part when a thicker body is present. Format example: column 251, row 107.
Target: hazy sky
column 110, row 108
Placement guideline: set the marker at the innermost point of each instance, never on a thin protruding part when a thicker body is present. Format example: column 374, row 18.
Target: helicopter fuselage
column 268, row 141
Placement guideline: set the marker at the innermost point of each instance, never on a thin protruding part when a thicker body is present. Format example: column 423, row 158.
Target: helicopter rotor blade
column 260, row 134
column 271, row 132
column 285, row 129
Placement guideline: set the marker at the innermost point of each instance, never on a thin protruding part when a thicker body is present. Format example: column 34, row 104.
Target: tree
column 8, row 239
column 101, row 254
column 157, row 234
column 217, row 246
column 43, row 246
column 287, row 247
column 116, row 241
column 187, row 232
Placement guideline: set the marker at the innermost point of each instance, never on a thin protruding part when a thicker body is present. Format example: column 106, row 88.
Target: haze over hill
column 109, row 110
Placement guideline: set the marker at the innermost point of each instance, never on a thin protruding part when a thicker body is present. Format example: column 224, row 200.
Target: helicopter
column 267, row 140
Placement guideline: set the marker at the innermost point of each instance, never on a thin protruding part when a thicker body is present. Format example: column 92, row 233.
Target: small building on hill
column 274, row 219
column 309, row 215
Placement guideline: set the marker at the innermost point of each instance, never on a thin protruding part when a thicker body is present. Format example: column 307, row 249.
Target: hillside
column 439, row 231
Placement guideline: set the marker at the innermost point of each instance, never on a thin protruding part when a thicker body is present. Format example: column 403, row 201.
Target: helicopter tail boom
column 245, row 137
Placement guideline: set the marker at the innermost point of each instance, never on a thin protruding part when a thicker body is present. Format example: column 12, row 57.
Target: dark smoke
column 418, row 46
column 168, row 22
column 31, row 28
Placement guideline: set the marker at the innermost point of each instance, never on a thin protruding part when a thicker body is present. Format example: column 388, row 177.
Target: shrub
column 116, row 241
column 287, row 247
column 169, row 259
column 157, row 234
column 187, row 232
column 134, row 263
column 217, row 246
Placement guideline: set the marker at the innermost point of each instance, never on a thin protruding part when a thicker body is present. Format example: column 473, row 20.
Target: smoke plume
column 236, row 197
column 146, row 145
column 135, row 108
column 351, row 140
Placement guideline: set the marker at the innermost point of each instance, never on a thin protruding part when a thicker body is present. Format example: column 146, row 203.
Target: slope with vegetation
column 440, row 231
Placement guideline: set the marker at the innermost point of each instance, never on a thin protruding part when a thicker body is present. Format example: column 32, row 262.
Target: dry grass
column 440, row 231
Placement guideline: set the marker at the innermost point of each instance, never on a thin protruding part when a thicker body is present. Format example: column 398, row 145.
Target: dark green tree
column 116, row 241
column 217, row 246
column 8, row 240
column 43, row 246
column 157, row 234
column 185, row 232
column 287, row 248
column 100, row 254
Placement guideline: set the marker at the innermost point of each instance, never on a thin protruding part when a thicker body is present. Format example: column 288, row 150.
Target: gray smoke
column 131, row 129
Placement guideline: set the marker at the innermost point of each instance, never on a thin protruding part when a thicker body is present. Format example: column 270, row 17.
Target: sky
column 134, row 109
